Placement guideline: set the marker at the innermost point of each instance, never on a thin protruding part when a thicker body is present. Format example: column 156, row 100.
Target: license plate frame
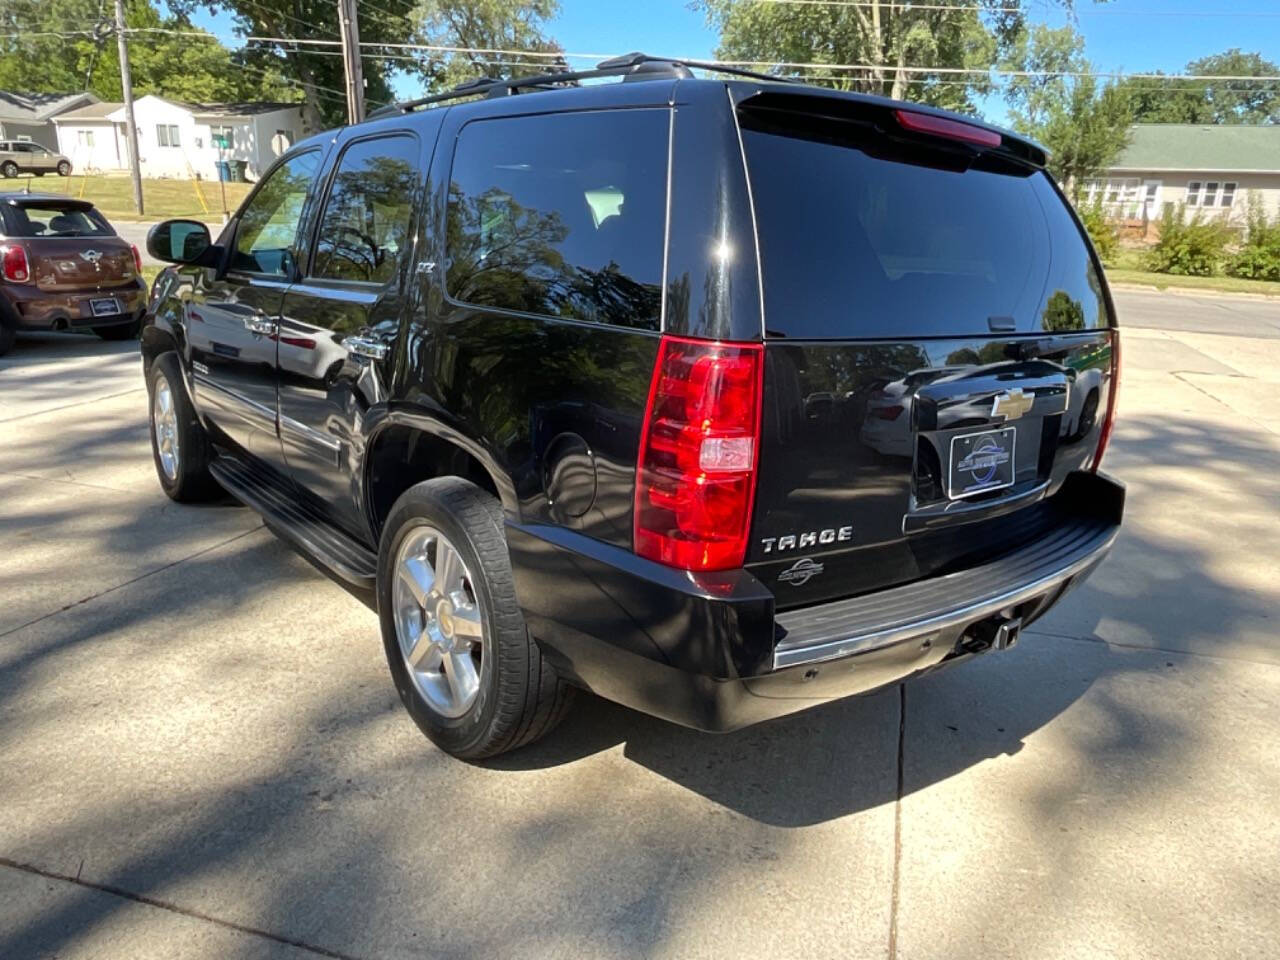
column 105, row 307
column 1003, row 448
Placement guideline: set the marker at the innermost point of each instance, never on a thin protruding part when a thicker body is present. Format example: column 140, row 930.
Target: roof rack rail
column 631, row 65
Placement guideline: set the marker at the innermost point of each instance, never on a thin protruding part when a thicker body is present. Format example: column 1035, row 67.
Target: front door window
column 267, row 238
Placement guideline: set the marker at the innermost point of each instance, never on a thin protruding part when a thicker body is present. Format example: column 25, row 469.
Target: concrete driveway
column 202, row 755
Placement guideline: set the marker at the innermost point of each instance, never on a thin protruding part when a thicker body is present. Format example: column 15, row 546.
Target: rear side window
column 854, row 245
column 54, row 220
column 364, row 233
column 561, row 215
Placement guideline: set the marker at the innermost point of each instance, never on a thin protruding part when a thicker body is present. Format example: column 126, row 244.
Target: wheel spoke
column 460, row 670
column 425, row 654
column 416, row 574
column 466, row 622
column 448, row 568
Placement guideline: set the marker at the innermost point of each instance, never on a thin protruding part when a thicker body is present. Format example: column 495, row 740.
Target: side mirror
column 179, row 241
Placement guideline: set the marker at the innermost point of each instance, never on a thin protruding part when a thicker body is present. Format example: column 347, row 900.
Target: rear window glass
column 854, row 245
column 561, row 215
column 54, row 220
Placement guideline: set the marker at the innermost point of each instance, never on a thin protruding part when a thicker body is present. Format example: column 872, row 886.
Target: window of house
column 562, row 216
column 267, row 235
column 364, row 232
column 222, row 137
column 1193, row 193
column 1210, row 196
column 167, row 135
column 1228, row 196
column 85, row 137
column 24, row 139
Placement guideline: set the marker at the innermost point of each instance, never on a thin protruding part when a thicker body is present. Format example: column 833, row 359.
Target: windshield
column 856, row 245
column 54, row 220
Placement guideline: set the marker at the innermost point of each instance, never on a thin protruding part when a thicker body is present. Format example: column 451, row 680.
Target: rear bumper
column 25, row 307
column 709, row 653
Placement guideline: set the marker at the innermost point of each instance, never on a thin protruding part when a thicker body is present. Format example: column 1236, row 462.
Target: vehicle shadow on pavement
column 209, row 738
column 830, row 761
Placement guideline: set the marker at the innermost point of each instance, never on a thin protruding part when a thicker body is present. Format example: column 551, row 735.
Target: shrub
column 1103, row 233
column 1189, row 248
column 1259, row 256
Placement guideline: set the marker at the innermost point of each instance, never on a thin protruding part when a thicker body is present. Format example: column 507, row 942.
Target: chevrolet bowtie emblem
column 92, row 256
column 1012, row 404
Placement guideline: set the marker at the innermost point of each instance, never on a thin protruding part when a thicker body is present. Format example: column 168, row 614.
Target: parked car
column 588, row 424
column 23, row 156
column 62, row 267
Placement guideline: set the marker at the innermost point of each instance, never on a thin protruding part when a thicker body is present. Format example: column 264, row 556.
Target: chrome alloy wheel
column 438, row 622
column 164, row 425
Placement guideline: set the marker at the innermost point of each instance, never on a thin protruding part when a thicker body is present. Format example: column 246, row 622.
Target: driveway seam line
column 78, row 403
column 173, row 908
column 895, row 887
column 75, row 483
column 1217, row 399
column 141, row 576
column 1141, row 648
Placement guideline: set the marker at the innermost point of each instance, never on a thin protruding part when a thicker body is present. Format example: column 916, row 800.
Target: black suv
column 718, row 398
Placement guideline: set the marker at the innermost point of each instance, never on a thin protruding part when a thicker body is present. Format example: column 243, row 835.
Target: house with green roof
column 1209, row 167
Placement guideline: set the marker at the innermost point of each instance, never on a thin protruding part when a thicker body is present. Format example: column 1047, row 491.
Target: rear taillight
column 14, row 263
column 137, row 257
column 887, row 413
column 1113, row 397
column 950, row 129
column 699, row 448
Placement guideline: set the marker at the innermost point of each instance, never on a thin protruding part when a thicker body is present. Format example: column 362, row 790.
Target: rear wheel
column 9, row 169
column 64, row 168
column 460, row 654
column 119, row 331
column 178, row 442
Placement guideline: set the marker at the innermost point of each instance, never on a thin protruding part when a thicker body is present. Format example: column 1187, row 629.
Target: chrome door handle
column 260, row 323
column 366, row 347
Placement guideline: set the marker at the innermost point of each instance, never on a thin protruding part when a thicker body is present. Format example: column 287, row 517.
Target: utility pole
column 350, row 31
column 127, row 83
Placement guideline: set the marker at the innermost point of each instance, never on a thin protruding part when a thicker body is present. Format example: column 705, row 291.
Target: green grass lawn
column 1128, row 268
column 113, row 195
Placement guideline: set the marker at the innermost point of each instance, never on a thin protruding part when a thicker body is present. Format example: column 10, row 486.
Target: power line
column 908, row 7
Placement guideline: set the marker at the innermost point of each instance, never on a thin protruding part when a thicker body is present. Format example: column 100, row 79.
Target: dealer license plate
column 981, row 462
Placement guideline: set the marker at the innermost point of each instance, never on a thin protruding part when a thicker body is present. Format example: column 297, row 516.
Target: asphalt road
column 201, row 753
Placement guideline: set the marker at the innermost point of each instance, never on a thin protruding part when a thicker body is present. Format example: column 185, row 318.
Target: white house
column 28, row 116
column 179, row 140
column 1212, row 169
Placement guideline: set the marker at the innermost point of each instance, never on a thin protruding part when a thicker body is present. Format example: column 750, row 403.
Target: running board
column 298, row 522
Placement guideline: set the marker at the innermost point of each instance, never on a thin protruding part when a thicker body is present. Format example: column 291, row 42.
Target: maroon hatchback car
column 62, row 267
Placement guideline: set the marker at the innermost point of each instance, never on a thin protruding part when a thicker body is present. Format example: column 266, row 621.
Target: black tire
column 521, row 698
column 192, row 483
column 37, row 173
column 118, row 331
column 64, row 168
column 7, row 336
column 9, row 169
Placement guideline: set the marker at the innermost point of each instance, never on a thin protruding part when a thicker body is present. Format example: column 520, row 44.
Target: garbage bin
column 238, row 169
column 224, row 171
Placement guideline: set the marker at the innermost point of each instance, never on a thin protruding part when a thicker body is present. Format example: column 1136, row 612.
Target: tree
column 1158, row 100
column 65, row 46
column 889, row 36
column 1083, row 123
column 486, row 25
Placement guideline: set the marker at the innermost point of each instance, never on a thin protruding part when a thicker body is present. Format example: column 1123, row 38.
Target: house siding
column 1173, row 190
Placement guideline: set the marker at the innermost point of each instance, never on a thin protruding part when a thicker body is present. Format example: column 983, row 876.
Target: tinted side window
column 364, row 234
column 561, row 215
column 266, row 240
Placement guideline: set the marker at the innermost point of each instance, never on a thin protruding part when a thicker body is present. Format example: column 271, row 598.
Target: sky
column 1120, row 35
